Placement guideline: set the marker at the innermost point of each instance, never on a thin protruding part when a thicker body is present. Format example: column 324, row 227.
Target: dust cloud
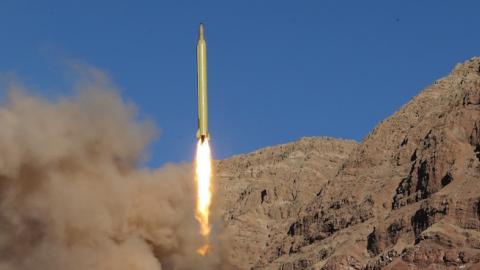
column 72, row 193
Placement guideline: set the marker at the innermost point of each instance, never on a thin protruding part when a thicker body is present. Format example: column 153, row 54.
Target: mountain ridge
column 389, row 202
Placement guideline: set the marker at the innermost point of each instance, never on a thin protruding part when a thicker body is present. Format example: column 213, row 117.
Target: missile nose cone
column 201, row 31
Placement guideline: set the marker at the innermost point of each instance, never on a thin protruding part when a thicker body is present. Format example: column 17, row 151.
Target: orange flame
column 203, row 176
column 203, row 250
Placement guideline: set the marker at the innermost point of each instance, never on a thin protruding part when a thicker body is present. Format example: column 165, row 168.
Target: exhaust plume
column 203, row 177
column 72, row 194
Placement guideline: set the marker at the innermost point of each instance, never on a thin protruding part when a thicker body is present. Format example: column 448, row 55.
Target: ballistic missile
column 202, row 132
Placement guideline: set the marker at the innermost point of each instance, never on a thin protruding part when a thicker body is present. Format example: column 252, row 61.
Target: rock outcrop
column 407, row 197
column 264, row 191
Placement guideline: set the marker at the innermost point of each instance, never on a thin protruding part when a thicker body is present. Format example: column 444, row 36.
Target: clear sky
column 278, row 70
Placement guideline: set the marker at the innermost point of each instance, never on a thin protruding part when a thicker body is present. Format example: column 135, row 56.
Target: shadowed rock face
column 407, row 197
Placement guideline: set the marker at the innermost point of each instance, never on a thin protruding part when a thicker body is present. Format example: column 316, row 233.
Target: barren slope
column 408, row 197
column 264, row 191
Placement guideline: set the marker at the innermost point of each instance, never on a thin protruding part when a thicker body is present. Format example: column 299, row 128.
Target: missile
column 202, row 132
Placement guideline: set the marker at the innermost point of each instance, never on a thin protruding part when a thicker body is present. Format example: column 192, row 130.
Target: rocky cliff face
column 407, row 197
column 265, row 191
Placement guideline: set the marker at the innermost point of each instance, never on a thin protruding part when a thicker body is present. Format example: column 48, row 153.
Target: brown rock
column 407, row 197
column 263, row 192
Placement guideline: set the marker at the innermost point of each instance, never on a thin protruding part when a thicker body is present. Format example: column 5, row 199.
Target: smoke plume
column 72, row 193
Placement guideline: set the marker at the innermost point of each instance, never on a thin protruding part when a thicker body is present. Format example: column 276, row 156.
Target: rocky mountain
column 406, row 197
column 265, row 191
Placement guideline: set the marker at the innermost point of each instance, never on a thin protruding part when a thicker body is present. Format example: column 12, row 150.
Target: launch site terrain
column 406, row 197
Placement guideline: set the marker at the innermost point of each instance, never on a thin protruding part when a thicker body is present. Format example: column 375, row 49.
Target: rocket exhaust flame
column 203, row 177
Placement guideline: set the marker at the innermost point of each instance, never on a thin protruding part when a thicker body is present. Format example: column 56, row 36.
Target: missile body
column 202, row 132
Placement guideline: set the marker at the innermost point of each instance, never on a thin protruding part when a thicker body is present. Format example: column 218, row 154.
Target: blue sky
column 278, row 70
